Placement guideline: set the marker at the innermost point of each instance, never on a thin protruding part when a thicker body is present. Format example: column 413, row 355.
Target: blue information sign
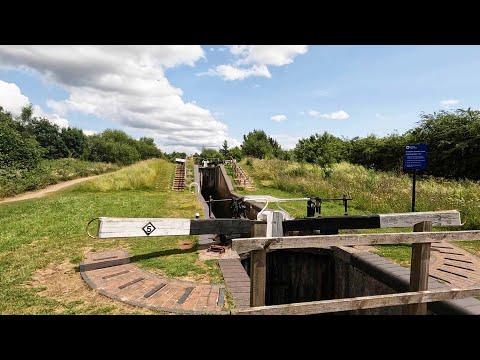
column 415, row 157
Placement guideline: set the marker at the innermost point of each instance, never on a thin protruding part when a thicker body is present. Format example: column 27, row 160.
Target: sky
column 194, row 96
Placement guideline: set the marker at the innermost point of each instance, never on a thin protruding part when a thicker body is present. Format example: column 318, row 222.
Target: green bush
column 147, row 149
column 259, row 145
column 235, row 153
column 322, row 150
column 106, row 149
column 453, row 140
column 49, row 138
column 75, row 141
column 117, row 147
column 211, row 154
column 17, row 151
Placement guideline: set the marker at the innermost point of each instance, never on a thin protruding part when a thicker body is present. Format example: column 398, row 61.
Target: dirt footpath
column 42, row 192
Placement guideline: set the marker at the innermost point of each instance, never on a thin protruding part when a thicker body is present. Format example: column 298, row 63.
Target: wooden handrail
column 360, row 303
column 325, row 241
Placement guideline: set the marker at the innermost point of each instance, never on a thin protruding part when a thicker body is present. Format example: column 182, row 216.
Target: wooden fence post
column 258, row 277
column 419, row 268
column 258, row 260
column 274, row 223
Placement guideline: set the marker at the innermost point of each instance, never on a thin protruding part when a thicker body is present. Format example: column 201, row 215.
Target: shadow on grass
column 147, row 256
column 155, row 254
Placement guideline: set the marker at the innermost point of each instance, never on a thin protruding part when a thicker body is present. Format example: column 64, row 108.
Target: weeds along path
column 41, row 193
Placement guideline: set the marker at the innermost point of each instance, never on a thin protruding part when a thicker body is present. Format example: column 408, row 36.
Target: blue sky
column 192, row 96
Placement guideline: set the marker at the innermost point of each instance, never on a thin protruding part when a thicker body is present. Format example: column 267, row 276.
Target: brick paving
column 236, row 281
column 454, row 266
column 450, row 265
column 111, row 274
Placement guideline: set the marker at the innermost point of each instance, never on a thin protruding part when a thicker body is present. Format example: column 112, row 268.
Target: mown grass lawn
column 42, row 241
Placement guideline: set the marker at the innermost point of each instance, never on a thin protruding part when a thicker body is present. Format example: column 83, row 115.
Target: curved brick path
column 111, row 274
column 454, row 266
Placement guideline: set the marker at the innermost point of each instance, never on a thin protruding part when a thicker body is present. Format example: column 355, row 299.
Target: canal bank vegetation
column 43, row 241
column 452, row 139
column 35, row 153
column 372, row 191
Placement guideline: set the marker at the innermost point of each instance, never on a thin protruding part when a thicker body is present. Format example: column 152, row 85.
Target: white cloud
column 287, row 142
column 277, row 55
column 191, row 149
column 90, row 132
column 126, row 85
column 252, row 60
column 12, row 100
column 53, row 118
column 212, row 49
column 449, row 102
column 222, row 49
column 229, row 72
column 58, row 106
column 379, row 116
column 279, row 118
column 336, row 115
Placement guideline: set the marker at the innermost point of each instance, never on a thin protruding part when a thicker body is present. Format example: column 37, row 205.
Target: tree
column 277, row 151
column 75, row 141
column 147, row 149
column 26, row 114
column 224, row 149
column 378, row 153
column 17, row 150
column 49, row 138
column 211, row 154
column 285, row 155
column 322, row 150
column 453, row 142
column 176, row 155
column 118, row 136
column 113, row 146
column 257, row 144
column 124, row 154
column 235, row 153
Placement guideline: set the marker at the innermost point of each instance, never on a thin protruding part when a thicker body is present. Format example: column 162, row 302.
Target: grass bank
column 372, row 192
column 49, row 172
column 44, row 240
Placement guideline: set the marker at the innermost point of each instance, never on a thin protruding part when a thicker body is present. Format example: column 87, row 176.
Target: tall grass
column 144, row 175
column 48, row 172
column 372, row 191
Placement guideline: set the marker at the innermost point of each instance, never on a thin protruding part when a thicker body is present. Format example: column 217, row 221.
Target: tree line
column 452, row 138
column 26, row 140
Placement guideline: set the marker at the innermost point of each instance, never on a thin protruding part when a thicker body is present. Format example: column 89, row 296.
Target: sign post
column 415, row 158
